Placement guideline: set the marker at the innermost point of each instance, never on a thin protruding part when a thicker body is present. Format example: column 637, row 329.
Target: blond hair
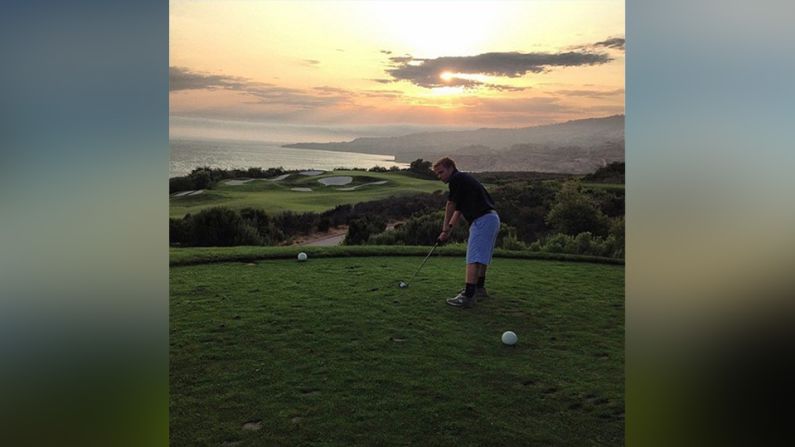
column 447, row 162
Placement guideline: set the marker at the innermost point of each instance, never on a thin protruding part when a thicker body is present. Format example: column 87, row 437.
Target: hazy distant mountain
column 579, row 146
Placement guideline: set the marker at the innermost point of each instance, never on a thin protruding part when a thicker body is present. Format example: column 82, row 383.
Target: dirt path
column 334, row 236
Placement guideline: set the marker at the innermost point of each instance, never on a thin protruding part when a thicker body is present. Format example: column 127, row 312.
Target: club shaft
column 424, row 260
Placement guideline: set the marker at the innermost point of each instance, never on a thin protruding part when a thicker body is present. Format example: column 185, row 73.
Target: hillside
column 577, row 147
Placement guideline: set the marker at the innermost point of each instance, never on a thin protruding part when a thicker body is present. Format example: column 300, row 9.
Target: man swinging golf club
column 469, row 198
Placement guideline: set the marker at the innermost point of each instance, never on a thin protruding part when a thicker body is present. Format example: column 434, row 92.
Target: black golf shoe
column 462, row 300
column 480, row 293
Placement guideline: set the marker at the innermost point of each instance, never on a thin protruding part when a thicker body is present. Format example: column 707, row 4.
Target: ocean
column 187, row 154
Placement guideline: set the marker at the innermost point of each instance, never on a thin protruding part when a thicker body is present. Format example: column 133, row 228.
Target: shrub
column 360, row 229
column 220, row 226
column 574, row 213
column 582, row 244
column 178, row 231
column 510, row 242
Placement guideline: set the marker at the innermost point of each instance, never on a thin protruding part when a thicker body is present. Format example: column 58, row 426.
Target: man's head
column 444, row 168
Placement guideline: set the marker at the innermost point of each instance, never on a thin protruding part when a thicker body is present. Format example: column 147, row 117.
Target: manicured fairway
column 332, row 352
column 278, row 196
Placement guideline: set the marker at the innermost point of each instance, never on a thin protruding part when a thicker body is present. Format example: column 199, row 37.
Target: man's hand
column 443, row 236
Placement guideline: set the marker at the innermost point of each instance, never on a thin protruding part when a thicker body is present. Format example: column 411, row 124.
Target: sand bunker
column 281, row 177
column 312, row 172
column 359, row 186
column 336, row 181
column 301, row 189
column 188, row 193
column 237, row 182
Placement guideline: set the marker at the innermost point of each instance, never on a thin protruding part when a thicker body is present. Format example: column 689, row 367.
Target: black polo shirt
column 470, row 197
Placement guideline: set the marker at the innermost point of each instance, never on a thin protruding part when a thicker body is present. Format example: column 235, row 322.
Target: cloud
column 326, row 90
column 615, row 42
column 181, row 78
column 385, row 52
column 427, row 72
column 590, row 93
column 310, row 62
column 505, row 88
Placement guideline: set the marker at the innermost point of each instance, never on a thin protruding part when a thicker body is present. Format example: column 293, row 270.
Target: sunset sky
column 467, row 64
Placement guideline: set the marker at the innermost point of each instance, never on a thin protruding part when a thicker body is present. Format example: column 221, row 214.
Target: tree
column 575, row 213
column 422, row 168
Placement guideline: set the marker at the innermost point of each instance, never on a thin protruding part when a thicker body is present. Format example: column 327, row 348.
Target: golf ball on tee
column 509, row 338
column 302, row 256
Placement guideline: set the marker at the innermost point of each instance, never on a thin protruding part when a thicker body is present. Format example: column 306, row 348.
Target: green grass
column 332, row 352
column 277, row 196
column 608, row 186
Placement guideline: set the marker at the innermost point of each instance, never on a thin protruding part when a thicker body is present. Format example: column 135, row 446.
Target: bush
column 220, row 226
column 582, row 244
column 178, row 231
column 510, row 242
column 360, row 229
column 574, row 213
column 422, row 229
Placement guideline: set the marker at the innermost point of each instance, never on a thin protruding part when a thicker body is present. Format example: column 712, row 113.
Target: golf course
column 266, row 350
column 301, row 192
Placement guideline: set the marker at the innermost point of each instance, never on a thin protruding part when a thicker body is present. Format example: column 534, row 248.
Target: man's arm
column 451, row 216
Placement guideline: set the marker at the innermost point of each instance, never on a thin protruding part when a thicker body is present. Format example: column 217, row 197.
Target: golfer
column 469, row 198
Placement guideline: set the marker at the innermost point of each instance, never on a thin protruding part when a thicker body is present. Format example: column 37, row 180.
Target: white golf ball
column 509, row 338
column 302, row 256
column 403, row 285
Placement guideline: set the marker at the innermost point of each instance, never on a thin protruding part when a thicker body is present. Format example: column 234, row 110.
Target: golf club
column 403, row 285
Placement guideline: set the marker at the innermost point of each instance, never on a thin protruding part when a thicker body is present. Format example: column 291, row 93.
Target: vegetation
column 612, row 173
column 292, row 193
column 540, row 212
column 332, row 352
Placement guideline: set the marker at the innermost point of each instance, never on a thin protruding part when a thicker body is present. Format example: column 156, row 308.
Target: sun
column 446, row 76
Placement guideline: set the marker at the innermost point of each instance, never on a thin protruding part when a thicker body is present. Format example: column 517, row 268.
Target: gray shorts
column 482, row 237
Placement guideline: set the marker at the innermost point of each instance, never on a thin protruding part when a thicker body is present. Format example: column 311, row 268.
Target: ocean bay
column 188, row 154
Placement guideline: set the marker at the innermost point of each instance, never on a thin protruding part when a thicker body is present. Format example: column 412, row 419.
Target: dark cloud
column 403, row 59
column 310, row 62
column 385, row 52
column 426, row 72
column 505, row 88
column 382, row 93
column 180, row 78
column 616, row 42
column 383, row 81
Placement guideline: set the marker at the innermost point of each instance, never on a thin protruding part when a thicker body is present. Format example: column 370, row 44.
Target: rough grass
column 332, row 352
column 277, row 196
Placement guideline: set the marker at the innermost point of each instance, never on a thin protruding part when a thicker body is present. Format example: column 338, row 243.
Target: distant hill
column 577, row 147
